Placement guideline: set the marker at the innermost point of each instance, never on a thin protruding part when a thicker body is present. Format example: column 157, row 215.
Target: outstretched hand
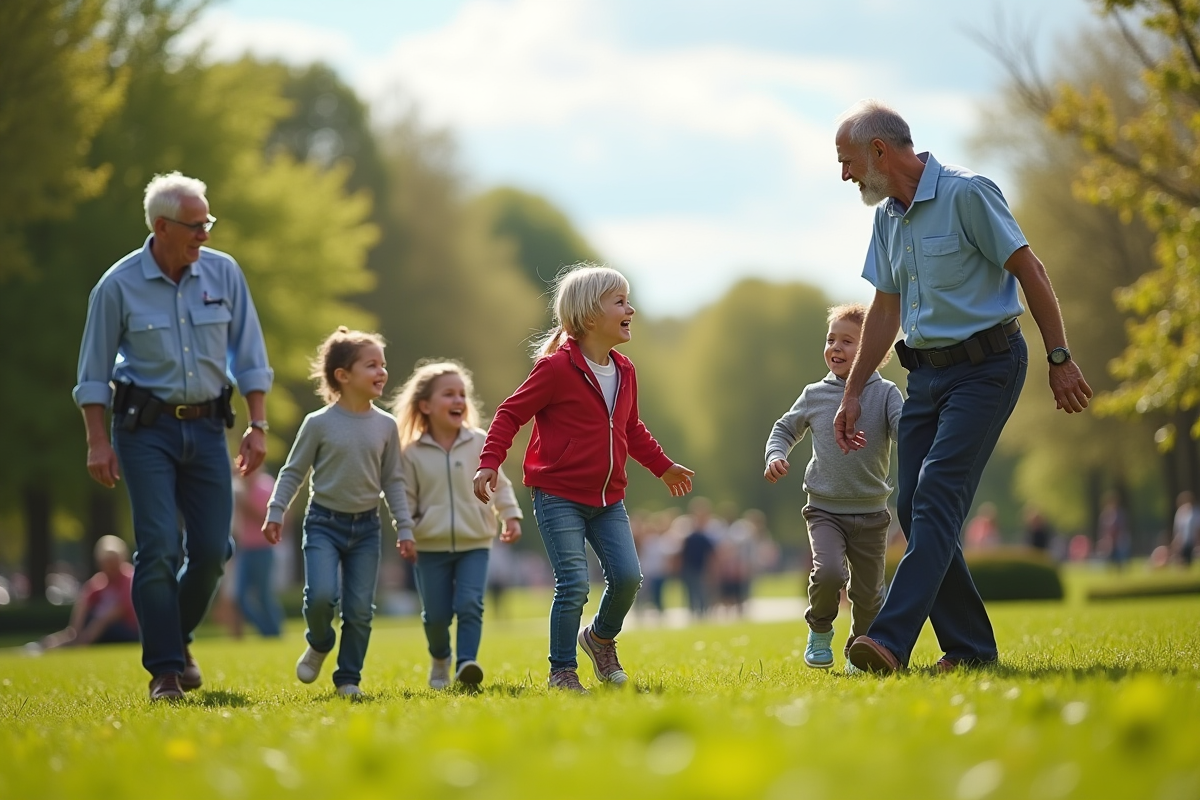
column 678, row 479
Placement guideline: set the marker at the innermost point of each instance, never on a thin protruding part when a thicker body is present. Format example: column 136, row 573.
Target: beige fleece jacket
column 446, row 514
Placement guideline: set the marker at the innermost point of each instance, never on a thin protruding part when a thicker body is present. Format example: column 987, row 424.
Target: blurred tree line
column 338, row 220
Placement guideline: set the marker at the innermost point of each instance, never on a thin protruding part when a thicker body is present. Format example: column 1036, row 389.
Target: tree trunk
column 101, row 521
column 1190, row 468
column 38, row 550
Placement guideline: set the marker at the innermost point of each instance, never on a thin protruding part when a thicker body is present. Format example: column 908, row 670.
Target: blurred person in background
column 103, row 612
column 254, row 576
column 1185, row 529
column 697, row 557
column 982, row 532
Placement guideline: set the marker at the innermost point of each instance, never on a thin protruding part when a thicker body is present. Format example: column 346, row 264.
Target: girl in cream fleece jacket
column 440, row 447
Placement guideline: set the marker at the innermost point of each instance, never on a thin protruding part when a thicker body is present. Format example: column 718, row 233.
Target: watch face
column 1059, row 355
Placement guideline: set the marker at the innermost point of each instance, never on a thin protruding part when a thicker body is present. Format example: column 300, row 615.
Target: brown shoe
column 166, row 687
column 946, row 664
column 191, row 677
column 567, row 680
column 870, row 656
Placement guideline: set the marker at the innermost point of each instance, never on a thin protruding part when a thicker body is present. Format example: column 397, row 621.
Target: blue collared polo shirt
column 945, row 254
column 184, row 342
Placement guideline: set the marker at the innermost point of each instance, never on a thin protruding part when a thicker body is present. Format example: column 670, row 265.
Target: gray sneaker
column 604, row 658
column 439, row 673
column 567, row 680
column 309, row 665
column 469, row 674
column 350, row 690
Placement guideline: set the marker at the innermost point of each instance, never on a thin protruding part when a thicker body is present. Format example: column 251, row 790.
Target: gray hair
column 871, row 119
column 165, row 193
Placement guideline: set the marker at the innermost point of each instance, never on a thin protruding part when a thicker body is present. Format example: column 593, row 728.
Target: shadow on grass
column 220, row 698
column 1110, row 672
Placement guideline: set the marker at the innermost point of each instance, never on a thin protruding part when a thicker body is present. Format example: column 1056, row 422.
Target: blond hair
column 340, row 350
column 419, row 386
column 110, row 544
column 856, row 313
column 578, row 292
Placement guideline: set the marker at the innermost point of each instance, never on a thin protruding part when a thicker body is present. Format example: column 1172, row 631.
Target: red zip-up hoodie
column 577, row 450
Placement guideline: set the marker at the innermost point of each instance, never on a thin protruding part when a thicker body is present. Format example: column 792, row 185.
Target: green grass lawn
column 1089, row 701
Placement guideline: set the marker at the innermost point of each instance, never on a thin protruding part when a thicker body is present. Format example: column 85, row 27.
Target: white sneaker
column 309, row 665
column 349, row 690
column 439, row 673
column 469, row 674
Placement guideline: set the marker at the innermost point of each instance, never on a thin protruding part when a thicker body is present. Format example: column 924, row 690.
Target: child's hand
column 408, row 550
column 485, row 483
column 272, row 532
column 776, row 470
column 512, row 530
column 678, row 479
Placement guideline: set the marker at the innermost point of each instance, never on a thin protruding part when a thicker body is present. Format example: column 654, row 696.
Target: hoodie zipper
column 611, row 445
column 450, row 489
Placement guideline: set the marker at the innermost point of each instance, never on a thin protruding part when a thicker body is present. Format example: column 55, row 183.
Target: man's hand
column 408, row 550
column 776, row 470
column 486, row 481
column 1071, row 391
column 678, row 479
column 512, row 530
column 252, row 451
column 272, row 532
column 102, row 463
column 844, row 423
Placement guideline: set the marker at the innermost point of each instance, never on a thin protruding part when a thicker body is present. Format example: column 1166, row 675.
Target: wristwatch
column 261, row 424
column 1058, row 356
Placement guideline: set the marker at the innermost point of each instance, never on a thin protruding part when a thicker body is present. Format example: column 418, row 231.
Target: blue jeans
column 333, row 539
column 255, row 594
column 452, row 585
column 948, row 429
column 565, row 525
column 176, row 471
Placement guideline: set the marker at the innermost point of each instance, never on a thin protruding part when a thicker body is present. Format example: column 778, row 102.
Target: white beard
column 874, row 188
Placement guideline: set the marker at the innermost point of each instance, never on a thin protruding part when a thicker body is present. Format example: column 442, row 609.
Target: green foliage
column 56, row 90
column 1143, row 163
column 544, row 238
column 1003, row 573
column 1087, row 702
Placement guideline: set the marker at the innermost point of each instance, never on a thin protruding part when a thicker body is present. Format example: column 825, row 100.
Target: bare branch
column 1185, row 33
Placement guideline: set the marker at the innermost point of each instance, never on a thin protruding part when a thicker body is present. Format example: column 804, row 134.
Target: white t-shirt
column 608, row 380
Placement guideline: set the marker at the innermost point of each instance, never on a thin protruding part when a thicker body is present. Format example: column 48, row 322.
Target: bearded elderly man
column 945, row 258
column 171, row 328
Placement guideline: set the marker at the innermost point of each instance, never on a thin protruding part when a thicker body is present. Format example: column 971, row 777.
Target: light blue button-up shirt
column 944, row 255
column 184, row 342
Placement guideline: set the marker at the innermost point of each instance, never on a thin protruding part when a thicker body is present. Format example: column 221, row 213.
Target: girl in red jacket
column 582, row 397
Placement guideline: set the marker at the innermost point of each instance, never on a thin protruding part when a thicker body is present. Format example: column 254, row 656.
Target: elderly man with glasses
column 171, row 329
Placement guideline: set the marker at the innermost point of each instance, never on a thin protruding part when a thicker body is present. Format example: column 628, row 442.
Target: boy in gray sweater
column 847, row 512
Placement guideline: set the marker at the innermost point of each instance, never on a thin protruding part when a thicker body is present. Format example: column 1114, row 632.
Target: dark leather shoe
column 166, row 687
column 191, row 677
column 946, row 664
column 870, row 656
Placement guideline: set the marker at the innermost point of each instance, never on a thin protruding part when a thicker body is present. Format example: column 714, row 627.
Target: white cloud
column 227, row 36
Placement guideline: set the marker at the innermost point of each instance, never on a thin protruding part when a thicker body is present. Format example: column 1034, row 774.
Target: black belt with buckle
column 194, row 410
column 992, row 341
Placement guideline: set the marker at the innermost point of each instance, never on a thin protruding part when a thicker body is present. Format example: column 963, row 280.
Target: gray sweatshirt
column 352, row 458
column 854, row 483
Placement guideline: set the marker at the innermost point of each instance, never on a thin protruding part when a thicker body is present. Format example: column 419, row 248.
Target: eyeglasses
column 196, row 227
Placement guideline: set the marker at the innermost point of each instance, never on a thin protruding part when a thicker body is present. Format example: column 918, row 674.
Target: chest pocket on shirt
column 147, row 336
column 211, row 326
column 942, row 261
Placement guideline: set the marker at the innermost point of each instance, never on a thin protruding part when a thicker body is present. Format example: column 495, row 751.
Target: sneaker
column 853, row 670
column 604, row 658
column 870, row 656
column 819, row 652
column 309, row 665
column 567, row 680
column 439, row 673
column 191, row 677
column 349, row 690
column 166, row 687
column 469, row 674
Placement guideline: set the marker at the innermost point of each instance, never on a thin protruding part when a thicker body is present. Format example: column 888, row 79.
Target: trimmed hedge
column 1144, row 588
column 36, row 619
column 1003, row 573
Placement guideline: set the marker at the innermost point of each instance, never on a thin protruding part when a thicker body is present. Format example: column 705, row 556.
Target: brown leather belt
column 993, row 340
column 194, row 410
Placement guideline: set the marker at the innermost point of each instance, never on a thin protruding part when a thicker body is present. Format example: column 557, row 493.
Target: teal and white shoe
column 819, row 653
column 853, row 670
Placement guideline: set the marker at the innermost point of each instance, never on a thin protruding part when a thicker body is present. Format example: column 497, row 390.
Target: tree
column 56, row 90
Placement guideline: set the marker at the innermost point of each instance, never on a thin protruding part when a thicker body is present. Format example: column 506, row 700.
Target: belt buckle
column 180, row 412
column 939, row 359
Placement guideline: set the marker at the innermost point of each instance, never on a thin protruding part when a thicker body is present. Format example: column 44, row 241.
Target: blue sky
column 690, row 140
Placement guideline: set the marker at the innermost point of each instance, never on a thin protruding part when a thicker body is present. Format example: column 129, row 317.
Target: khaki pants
column 846, row 548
